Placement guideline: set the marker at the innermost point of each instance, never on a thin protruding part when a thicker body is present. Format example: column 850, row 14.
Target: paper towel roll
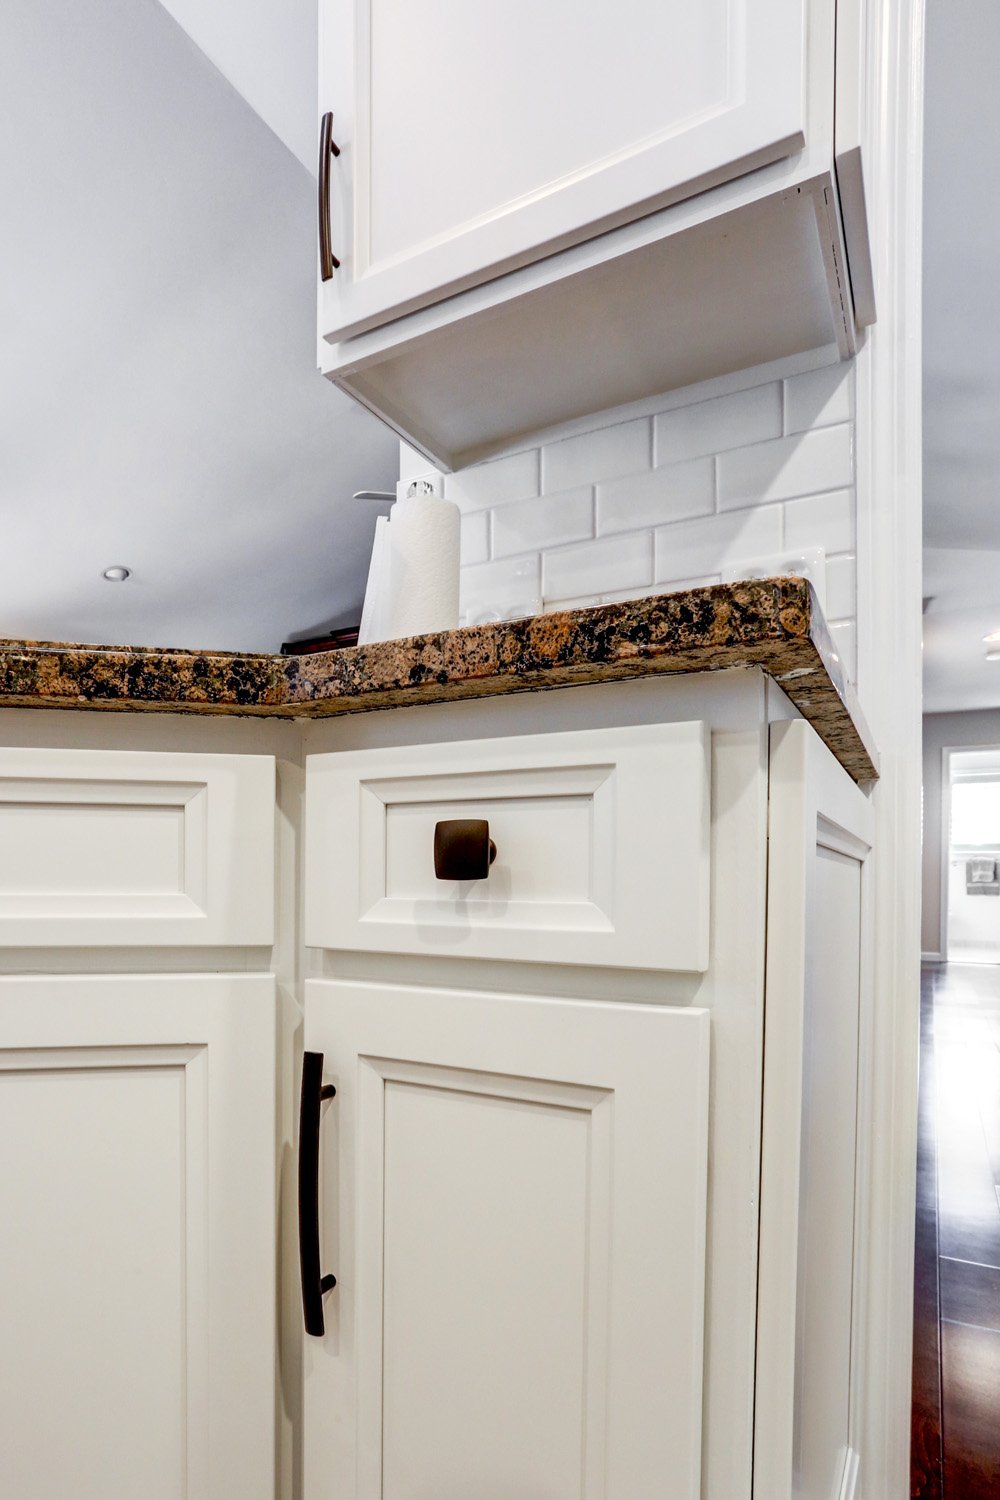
column 423, row 566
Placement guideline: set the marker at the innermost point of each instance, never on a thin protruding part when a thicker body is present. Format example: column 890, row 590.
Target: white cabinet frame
column 813, row 806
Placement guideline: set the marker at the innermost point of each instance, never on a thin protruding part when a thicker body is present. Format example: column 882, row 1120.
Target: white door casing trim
column 889, row 461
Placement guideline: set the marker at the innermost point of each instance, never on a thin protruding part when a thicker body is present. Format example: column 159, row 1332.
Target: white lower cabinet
column 565, row 1268
column 137, row 1237
column 513, row 1197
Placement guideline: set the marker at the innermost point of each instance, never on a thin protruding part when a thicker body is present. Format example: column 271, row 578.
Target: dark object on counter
column 335, row 640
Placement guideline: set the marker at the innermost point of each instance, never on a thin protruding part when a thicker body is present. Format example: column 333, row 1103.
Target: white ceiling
column 961, row 354
column 159, row 401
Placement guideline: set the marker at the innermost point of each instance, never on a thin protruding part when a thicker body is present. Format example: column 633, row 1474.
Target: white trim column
column 889, row 608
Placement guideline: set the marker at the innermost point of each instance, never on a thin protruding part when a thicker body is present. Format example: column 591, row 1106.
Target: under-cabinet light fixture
column 117, row 573
column 993, row 655
column 993, row 639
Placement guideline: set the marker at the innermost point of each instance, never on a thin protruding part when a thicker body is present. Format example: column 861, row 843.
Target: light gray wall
column 957, row 731
column 160, row 405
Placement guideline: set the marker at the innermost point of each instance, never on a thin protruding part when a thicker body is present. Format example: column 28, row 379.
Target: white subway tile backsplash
column 656, row 496
column 844, row 633
column 584, row 601
column 592, row 456
column 620, row 595
column 819, row 398
column 503, row 479
column 841, row 587
column 617, row 562
column 828, row 517
column 779, row 470
column 475, row 537
column 673, row 500
column 712, row 426
column 691, row 548
column 546, row 521
column 501, row 590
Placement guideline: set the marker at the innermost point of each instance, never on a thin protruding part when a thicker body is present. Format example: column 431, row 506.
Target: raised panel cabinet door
column 137, row 1236
column 513, row 1204
column 474, row 139
column 812, row 1226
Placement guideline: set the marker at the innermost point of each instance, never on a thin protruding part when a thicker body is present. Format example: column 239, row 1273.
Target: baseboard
column 849, row 1482
column 932, row 958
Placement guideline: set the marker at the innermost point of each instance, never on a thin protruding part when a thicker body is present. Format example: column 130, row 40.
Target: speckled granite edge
column 773, row 624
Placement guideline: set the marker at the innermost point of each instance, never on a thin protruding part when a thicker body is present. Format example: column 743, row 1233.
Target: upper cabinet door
column 476, row 139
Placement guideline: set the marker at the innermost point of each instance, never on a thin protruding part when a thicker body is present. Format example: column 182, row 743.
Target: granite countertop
column 774, row 624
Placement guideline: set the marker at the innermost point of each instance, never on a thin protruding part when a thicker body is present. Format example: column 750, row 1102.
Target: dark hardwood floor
column 956, row 1357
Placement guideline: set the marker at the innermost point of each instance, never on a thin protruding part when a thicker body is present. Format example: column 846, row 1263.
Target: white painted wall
column 961, row 293
column 267, row 50
column 647, row 504
column 160, row 402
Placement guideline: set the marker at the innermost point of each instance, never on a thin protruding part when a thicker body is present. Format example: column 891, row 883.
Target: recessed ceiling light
column 993, row 637
column 993, row 656
column 118, row 574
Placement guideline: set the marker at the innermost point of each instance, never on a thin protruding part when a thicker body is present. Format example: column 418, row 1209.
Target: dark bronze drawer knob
column 463, row 849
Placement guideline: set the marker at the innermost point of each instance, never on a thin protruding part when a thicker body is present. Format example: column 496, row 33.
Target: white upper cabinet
column 550, row 210
column 474, row 140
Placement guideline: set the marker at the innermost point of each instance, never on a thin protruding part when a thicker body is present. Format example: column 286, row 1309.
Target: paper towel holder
column 463, row 849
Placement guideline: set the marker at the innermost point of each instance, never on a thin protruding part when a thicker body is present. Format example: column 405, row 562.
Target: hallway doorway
column 971, row 876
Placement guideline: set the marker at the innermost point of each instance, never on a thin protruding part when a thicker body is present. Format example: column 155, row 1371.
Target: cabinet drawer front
column 471, row 144
column 601, row 839
column 108, row 847
column 514, row 1209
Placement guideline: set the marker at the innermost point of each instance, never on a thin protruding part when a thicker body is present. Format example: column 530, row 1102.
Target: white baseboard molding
column 849, row 1482
column 932, row 958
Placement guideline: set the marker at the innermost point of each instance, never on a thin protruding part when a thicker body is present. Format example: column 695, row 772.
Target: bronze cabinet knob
column 463, row 849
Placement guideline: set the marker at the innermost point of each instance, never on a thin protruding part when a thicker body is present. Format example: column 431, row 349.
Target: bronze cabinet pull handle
column 463, row 849
column 314, row 1284
column 328, row 262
